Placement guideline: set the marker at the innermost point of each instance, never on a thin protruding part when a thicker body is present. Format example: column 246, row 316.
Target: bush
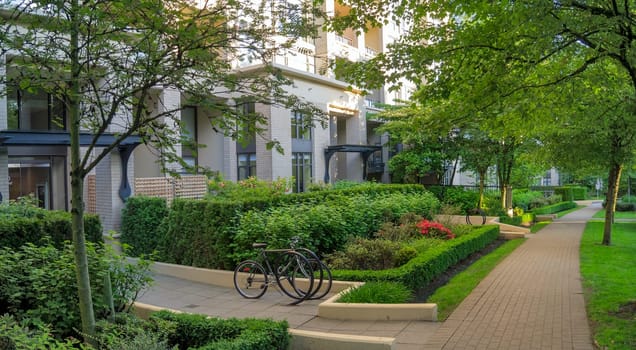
column 406, row 229
column 527, row 200
column 140, row 220
column 377, row 292
column 429, row 263
column 628, row 199
column 39, row 283
column 566, row 193
column 456, row 196
column 204, row 332
column 21, row 223
column 554, row 208
column 431, row 229
column 366, row 254
column 14, row 335
column 621, row 206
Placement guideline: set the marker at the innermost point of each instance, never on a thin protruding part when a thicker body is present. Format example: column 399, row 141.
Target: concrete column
column 107, row 181
column 170, row 99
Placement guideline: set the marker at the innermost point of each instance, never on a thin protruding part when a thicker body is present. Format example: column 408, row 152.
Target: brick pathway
column 532, row 300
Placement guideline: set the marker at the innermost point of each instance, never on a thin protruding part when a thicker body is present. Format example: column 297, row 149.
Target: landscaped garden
column 385, row 235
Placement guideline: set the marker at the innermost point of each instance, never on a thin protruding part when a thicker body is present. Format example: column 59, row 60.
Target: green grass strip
column 609, row 281
column 617, row 215
column 450, row 295
column 538, row 226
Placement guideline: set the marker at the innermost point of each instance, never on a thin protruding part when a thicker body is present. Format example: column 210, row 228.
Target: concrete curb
column 302, row 339
column 331, row 309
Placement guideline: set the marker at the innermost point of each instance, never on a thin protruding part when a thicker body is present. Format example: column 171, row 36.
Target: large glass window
column 189, row 135
column 246, row 165
column 43, row 177
column 34, row 111
column 301, row 170
column 300, row 126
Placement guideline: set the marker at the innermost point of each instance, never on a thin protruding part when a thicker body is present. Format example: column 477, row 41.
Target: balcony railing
column 342, row 39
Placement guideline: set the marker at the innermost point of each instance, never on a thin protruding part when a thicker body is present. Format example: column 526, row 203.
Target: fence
column 195, row 186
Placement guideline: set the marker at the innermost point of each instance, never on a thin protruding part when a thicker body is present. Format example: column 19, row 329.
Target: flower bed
column 427, row 265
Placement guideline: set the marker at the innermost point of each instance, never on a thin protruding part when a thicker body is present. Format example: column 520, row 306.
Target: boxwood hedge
column 554, row 208
column 429, row 264
column 203, row 332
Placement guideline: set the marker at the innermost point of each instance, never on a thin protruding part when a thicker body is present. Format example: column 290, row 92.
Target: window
column 34, row 111
column 301, row 170
column 246, row 165
column 189, row 135
column 300, row 126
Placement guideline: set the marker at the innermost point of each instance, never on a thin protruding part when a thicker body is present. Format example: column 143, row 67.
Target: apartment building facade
column 34, row 142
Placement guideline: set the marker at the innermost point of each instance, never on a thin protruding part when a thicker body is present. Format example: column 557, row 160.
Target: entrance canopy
column 61, row 138
column 364, row 150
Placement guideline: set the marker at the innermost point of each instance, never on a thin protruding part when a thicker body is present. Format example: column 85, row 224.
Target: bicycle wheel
column 250, row 279
column 322, row 275
column 292, row 270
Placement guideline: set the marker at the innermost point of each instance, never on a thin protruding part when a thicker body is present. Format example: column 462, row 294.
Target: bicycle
column 323, row 285
column 289, row 271
column 476, row 212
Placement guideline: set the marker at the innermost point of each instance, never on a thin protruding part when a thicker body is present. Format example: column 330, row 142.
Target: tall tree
column 491, row 51
column 106, row 60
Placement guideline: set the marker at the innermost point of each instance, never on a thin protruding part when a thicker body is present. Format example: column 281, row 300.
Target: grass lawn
column 449, row 296
column 617, row 215
column 609, row 280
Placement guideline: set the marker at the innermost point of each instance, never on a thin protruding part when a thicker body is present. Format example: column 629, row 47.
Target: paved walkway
column 532, row 300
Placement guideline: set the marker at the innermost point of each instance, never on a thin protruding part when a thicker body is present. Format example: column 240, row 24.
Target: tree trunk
column 482, row 185
column 610, row 200
column 77, row 184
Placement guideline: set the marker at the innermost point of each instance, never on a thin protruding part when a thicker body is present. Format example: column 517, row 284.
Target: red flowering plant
column 434, row 229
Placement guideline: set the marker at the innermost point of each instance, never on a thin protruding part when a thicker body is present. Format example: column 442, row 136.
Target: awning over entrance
column 364, row 150
column 61, row 138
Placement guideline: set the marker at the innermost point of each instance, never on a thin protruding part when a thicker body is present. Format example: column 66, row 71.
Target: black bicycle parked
column 297, row 272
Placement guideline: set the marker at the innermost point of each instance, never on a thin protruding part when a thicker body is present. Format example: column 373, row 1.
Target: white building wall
column 280, row 129
column 4, row 158
column 210, row 156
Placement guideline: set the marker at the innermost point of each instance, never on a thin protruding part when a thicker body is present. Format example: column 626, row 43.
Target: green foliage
column 405, row 230
column 456, row 196
column 566, row 192
column 367, row 254
column 248, row 188
column 528, row 200
column 127, row 331
column 621, row 206
column 428, row 264
column 21, row 223
column 554, row 208
column 378, row 293
column 39, row 284
column 17, row 336
column 140, row 221
column 204, row 332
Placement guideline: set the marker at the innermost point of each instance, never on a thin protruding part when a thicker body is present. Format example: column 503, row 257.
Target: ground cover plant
column 378, row 293
column 608, row 283
column 617, row 215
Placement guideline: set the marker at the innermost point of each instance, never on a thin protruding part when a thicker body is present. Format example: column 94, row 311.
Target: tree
column 494, row 51
column 105, row 60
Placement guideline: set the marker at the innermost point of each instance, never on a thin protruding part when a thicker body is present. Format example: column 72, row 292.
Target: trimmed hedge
column 554, row 208
column 217, row 234
column 140, row 220
column 429, row 264
column 204, row 332
column 53, row 226
column 571, row 193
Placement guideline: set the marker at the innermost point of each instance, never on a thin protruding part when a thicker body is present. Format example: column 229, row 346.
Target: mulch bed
column 423, row 294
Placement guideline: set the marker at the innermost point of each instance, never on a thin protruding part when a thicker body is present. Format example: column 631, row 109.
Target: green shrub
column 21, row 223
column 140, row 220
column 628, row 199
column 404, row 255
column 14, row 335
column 515, row 220
column 554, row 208
column 430, row 263
column 377, row 292
column 456, row 196
column 405, row 230
column 566, row 193
column 527, row 200
column 127, row 331
column 621, row 206
column 366, row 254
column 204, row 332
column 39, row 283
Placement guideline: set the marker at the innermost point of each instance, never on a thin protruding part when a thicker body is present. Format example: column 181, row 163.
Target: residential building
column 34, row 142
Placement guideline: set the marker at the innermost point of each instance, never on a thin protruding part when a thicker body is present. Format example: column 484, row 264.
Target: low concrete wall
column 304, row 340
column 309, row 340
